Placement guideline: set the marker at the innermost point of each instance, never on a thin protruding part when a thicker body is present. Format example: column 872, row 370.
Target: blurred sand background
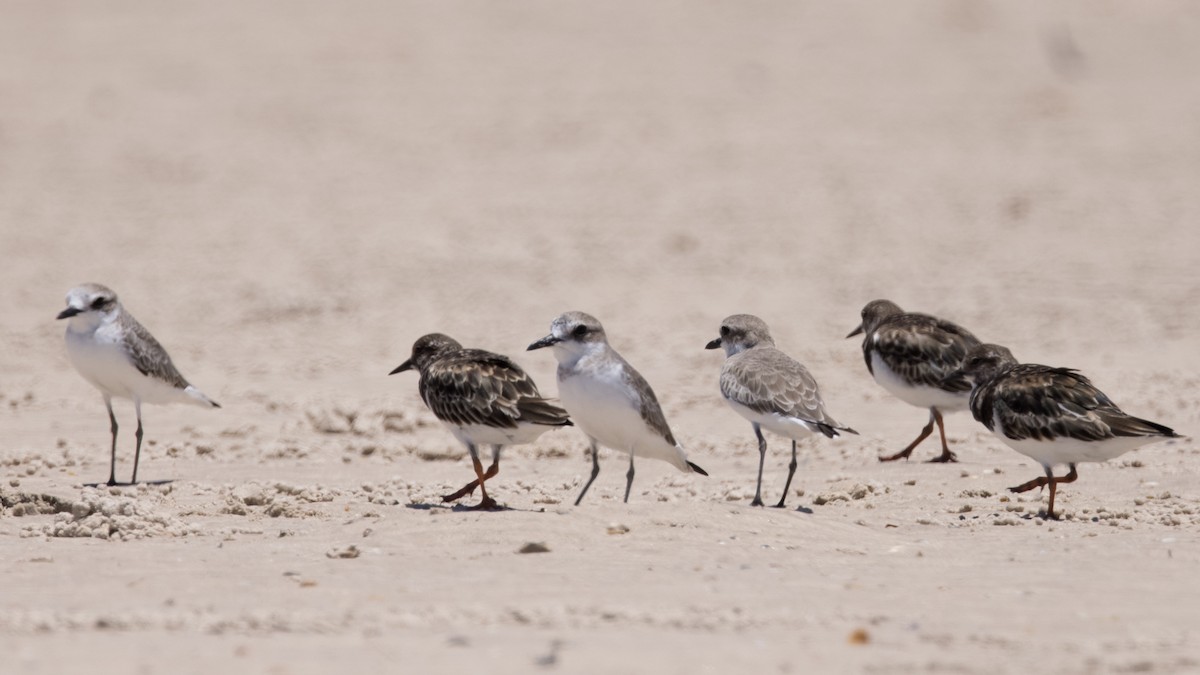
column 289, row 193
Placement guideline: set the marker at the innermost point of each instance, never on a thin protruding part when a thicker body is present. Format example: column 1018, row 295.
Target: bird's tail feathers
column 830, row 430
column 1136, row 426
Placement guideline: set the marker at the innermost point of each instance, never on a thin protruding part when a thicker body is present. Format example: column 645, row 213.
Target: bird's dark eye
column 724, row 331
column 97, row 303
column 579, row 331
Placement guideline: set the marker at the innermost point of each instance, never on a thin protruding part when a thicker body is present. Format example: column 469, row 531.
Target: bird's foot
column 756, row 502
column 465, row 490
column 903, row 454
column 488, row 504
column 944, row 458
column 1038, row 482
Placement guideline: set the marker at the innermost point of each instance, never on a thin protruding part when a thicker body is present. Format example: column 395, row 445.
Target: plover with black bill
column 770, row 389
column 910, row 355
column 609, row 400
column 122, row 359
column 482, row 398
column 1051, row 415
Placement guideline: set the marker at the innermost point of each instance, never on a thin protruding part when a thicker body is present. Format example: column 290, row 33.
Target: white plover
column 482, row 398
column 910, row 355
column 122, row 359
column 771, row 390
column 609, row 400
column 1051, row 415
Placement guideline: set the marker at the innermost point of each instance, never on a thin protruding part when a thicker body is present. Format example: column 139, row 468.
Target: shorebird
column 910, row 355
column 481, row 398
column 609, row 400
column 771, row 390
column 1051, row 415
column 119, row 357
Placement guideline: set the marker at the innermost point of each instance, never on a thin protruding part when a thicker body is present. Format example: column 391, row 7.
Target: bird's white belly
column 481, row 434
column 1068, row 450
column 920, row 395
column 788, row 427
column 103, row 363
column 602, row 410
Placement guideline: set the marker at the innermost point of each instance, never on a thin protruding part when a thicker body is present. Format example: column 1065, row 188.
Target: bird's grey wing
column 770, row 382
column 646, row 402
column 148, row 356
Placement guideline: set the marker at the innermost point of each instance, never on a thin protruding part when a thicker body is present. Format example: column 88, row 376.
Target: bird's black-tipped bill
column 407, row 365
column 713, row 344
column 856, row 331
column 68, row 313
column 547, row 341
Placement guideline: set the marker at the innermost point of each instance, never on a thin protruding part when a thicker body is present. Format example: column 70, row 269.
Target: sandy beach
column 289, row 194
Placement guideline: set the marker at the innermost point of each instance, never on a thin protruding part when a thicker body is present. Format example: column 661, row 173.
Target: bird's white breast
column 99, row 356
column 605, row 407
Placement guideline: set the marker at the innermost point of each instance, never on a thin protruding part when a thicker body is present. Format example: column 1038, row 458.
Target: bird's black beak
column 544, row 342
column 713, row 344
column 69, row 312
column 407, row 365
column 856, row 331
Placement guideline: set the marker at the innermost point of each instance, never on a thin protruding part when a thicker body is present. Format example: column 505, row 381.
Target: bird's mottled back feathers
column 1043, row 403
column 473, row 386
column 922, row 349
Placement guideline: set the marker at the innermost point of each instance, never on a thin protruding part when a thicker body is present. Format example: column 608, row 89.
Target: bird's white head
column 89, row 305
column 573, row 335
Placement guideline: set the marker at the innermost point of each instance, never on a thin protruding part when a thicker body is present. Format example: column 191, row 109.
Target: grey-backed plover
column 122, row 359
column 609, row 400
column 771, row 390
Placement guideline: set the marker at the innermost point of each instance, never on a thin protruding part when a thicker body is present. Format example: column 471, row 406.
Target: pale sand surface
column 288, row 194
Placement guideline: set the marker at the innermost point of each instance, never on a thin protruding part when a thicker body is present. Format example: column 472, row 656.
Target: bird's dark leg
column 137, row 405
column 112, row 420
column 946, row 455
column 903, row 454
column 791, row 472
column 762, row 457
column 470, row 487
column 629, row 477
column 595, row 472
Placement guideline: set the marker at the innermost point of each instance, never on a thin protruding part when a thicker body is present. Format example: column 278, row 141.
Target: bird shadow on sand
column 466, row 508
column 165, row 481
